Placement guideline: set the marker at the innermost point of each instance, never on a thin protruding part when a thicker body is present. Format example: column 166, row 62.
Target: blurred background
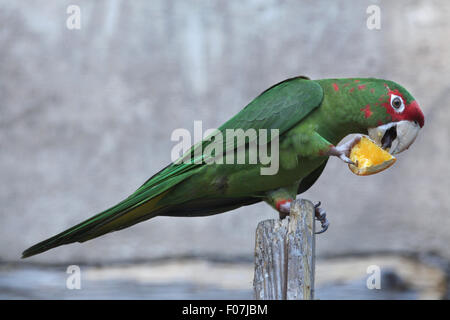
column 86, row 117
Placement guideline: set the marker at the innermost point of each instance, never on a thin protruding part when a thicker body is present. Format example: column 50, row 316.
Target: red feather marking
column 367, row 112
column 324, row 152
column 335, row 86
column 280, row 202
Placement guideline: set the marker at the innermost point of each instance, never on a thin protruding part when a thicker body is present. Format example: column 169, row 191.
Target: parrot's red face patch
column 398, row 108
column 367, row 111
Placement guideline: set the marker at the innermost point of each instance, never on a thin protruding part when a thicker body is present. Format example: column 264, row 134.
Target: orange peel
column 369, row 158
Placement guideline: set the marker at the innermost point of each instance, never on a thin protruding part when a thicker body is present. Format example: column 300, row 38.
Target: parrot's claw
column 346, row 159
column 321, row 216
column 343, row 151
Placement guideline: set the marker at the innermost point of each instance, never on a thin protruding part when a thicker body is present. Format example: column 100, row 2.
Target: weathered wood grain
column 285, row 254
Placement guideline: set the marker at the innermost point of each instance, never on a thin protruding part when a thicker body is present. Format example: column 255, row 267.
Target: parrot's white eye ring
column 397, row 103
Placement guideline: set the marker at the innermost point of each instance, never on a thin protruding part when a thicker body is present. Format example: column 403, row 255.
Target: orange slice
column 369, row 158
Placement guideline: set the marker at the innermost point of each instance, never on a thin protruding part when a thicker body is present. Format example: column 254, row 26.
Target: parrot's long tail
column 122, row 215
column 141, row 205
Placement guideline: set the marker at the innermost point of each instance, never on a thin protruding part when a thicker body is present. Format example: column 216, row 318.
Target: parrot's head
column 388, row 111
column 400, row 118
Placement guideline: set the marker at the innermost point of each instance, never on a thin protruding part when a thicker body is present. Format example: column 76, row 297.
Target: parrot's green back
column 196, row 188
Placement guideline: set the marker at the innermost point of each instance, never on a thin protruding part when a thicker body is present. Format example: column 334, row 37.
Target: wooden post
column 285, row 255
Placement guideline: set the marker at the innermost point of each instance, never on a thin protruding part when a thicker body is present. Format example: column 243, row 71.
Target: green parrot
column 310, row 118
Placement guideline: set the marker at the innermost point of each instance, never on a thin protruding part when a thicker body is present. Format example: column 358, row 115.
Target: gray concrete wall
column 86, row 116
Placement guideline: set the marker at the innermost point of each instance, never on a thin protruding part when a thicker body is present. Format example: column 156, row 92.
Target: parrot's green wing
column 279, row 107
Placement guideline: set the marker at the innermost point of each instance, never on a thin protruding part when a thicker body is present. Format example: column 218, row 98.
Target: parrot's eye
column 397, row 103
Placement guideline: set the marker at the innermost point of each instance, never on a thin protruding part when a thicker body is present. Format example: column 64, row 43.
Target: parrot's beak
column 395, row 137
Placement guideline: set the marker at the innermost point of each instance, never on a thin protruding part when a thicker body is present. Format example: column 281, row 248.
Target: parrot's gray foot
column 343, row 151
column 321, row 216
column 284, row 209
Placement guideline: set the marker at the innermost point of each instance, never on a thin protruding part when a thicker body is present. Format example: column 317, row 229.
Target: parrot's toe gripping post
column 321, row 216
